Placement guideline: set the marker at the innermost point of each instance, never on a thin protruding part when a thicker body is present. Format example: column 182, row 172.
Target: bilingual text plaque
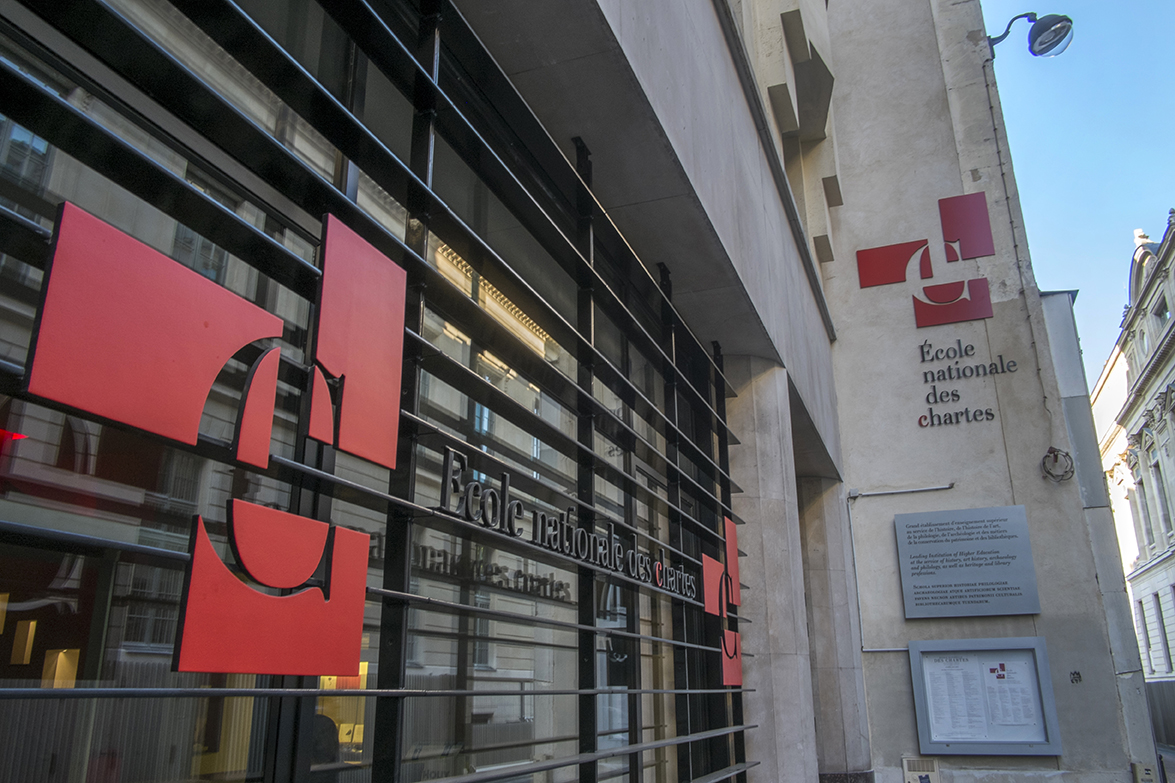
column 966, row 563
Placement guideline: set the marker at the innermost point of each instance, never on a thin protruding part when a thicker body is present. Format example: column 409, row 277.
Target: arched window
column 1139, row 270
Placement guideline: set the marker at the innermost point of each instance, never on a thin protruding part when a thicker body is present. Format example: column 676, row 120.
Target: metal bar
column 24, row 238
column 328, row 192
column 854, row 494
column 27, row 535
column 629, row 484
column 681, row 673
column 494, row 336
column 209, row 693
column 735, row 709
column 37, row 536
column 725, row 774
column 531, row 620
column 484, row 392
column 176, row 89
column 586, row 464
column 543, row 766
column 318, row 475
column 476, row 532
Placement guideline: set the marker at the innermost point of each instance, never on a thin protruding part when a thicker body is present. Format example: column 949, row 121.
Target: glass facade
column 536, row 345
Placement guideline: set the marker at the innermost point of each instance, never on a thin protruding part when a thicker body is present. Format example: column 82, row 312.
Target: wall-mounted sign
column 966, row 563
column 984, row 697
column 128, row 334
column 494, row 509
column 966, row 234
column 949, row 371
column 482, row 571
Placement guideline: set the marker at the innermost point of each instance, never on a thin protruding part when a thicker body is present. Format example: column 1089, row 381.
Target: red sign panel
column 128, row 334
column 966, row 227
column 721, row 589
column 360, row 342
column 228, row 626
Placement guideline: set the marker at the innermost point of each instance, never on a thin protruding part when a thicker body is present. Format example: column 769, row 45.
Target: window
column 67, row 447
column 481, row 632
column 412, row 645
column 129, row 458
column 1161, row 312
column 152, row 606
column 180, row 476
column 197, row 252
column 1160, row 490
column 493, row 616
column 24, row 156
column 1164, row 643
column 482, row 419
column 1144, row 636
column 1144, row 512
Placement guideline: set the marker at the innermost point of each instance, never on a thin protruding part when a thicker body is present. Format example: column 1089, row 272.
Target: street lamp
column 1049, row 36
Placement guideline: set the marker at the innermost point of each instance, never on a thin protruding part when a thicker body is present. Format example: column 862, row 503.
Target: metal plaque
column 966, row 563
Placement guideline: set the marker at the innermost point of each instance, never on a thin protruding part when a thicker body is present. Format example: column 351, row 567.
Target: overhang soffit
column 639, row 177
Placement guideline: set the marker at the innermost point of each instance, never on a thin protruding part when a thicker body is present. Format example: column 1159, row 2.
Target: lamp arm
column 993, row 41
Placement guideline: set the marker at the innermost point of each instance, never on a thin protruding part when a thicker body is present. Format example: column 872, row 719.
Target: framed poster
column 966, row 563
column 984, row 697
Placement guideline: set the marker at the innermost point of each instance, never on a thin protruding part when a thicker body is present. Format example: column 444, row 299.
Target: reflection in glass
column 486, row 651
column 57, row 597
column 162, row 740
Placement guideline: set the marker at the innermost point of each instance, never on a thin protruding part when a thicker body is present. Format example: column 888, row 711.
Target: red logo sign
column 721, row 589
column 966, row 233
column 132, row 336
column 228, row 626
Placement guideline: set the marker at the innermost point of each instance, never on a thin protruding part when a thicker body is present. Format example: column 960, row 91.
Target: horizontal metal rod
column 884, row 649
column 586, row 758
column 854, row 494
column 528, row 620
column 728, row 772
column 77, row 134
column 399, row 693
column 389, row 54
column 34, row 536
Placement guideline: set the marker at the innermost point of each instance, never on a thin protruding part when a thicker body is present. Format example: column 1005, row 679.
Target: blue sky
column 1092, row 133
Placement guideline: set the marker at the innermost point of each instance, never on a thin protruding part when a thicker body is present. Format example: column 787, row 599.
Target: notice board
column 966, row 563
column 984, row 697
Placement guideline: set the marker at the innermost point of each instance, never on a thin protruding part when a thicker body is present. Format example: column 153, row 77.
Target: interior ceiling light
column 1050, row 34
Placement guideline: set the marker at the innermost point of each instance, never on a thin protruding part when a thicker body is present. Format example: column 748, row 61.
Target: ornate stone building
column 1134, row 404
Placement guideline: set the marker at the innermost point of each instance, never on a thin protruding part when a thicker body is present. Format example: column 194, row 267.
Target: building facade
column 1134, row 399
column 406, row 390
